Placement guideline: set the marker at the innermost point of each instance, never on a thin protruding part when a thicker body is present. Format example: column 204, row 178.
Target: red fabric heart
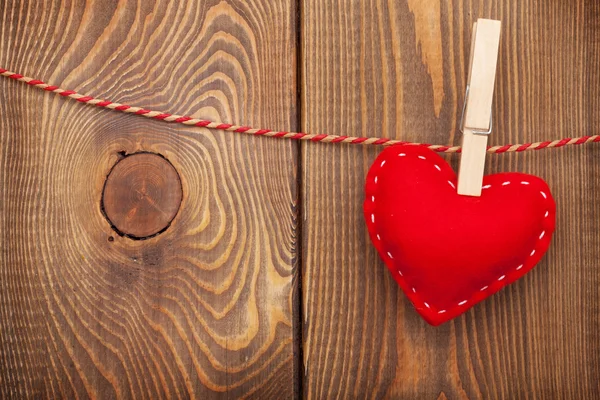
column 449, row 252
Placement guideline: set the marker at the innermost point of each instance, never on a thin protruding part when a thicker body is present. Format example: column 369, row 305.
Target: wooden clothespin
column 476, row 123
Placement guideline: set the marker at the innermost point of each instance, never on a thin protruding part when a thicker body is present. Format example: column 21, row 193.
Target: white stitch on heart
column 382, row 163
column 506, row 183
column 502, row 277
column 462, row 303
column 452, row 184
column 422, row 158
column 487, row 187
column 437, row 167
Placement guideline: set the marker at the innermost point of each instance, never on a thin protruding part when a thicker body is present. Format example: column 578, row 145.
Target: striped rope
column 182, row 119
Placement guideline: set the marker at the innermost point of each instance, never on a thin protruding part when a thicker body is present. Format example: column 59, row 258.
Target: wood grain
column 141, row 195
column 398, row 69
column 203, row 308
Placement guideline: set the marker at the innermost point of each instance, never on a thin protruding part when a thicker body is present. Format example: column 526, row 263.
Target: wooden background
column 265, row 285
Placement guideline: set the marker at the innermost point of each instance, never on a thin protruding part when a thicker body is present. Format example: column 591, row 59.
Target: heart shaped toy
column 446, row 251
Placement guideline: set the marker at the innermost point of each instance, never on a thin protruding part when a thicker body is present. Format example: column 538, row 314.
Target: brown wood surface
column 397, row 69
column 141, row 195
column 209, row 308
column 203, row 308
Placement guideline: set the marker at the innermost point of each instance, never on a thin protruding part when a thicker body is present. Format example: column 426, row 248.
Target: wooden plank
column 204, row 307
column 399, row 69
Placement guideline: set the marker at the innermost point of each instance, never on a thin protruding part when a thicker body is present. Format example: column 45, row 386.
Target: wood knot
column 141, row 195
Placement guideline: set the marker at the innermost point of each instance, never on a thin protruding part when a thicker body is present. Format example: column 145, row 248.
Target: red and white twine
column 181, row 119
